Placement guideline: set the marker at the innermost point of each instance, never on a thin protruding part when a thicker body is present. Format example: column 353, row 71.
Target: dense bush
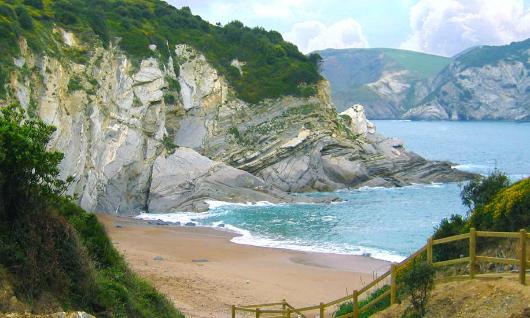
column 481, row 190
column 56, row 254
column 273, row 67
column 494, row 204
column 454, row 225
column 508, row 210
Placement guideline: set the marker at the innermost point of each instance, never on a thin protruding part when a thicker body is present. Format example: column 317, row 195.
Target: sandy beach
column 203, row 273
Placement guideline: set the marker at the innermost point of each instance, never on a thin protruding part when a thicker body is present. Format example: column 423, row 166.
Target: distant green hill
column 481, row 83
column 273, row 66
column 379, row 78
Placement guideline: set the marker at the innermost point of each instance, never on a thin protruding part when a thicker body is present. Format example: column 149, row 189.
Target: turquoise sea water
column 384, row 223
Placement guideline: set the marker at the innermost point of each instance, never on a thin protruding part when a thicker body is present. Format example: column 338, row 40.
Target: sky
column 442, row 27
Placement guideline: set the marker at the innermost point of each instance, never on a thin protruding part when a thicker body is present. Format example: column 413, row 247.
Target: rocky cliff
column 168, row 134
column 386, row 81
column 484, row 83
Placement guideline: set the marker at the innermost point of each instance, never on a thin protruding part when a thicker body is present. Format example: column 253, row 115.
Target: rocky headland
column 481, row 83
column 168, row 135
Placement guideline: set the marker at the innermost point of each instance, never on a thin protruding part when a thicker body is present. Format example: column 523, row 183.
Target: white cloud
column 447, row 27
column 314, row 35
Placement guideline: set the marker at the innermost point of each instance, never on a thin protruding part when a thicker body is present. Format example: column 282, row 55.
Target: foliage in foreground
column 57, row 255
column 273, row 67
column 494, row 205
column 347, row 307
column 417, row 282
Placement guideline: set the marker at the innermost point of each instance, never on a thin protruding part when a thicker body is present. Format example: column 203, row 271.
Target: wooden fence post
column 258, row 314
column 233, row 311
column 393, row 284
column 284, row 304
column 355, row 303
column 472, row 251
column 322, row 310
column 429, row 250
column 522, row 266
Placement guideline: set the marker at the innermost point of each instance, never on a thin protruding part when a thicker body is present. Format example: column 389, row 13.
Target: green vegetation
column 273, row 67
column 417, row 282
column 350, row 71
column 56, row 255
column 74, row 84
column 346, row 308
column 426, row 65
column 494, row 204
column 484, row 55
column 169, row 145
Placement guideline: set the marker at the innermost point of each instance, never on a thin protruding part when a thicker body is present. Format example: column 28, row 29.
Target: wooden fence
column 284, row 310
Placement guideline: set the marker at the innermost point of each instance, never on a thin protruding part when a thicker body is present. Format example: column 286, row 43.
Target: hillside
column 483, row 83
column 473, row 299
column 156, row 110
column 270, row 66
column 384, row 80
column 53, row 255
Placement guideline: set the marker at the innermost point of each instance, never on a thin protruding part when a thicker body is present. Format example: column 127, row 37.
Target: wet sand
column 204, row 273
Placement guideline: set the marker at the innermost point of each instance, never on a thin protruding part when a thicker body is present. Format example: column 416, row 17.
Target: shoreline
column 203, row 272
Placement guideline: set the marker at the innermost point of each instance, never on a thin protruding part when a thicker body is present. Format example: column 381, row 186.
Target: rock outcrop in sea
column 168, row 135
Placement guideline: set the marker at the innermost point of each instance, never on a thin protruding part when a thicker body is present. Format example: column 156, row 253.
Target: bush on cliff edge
column 56, row 255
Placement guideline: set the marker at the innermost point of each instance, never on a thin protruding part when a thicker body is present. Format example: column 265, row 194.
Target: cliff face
column 166, row 135
column 473, row 89
column 483, row 83
column 386, row 81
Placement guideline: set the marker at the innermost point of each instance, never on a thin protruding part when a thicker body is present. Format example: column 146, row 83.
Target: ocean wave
column 214, row 204
column 246, row 238
column 177, row 217
column 411, row 186
column 473, row 167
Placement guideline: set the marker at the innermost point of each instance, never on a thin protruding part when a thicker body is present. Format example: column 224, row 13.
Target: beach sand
column 203, row 273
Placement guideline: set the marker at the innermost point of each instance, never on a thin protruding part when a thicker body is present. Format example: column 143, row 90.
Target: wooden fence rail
column 285, row 310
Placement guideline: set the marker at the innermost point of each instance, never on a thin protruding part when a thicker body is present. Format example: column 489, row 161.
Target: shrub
column 418, row 282
column 34, row 3
column 74, row 84
column 57, row 254
column 25, row 20
column 347, row 307
column 454, row 225
column 508, row 210
column 481, row 190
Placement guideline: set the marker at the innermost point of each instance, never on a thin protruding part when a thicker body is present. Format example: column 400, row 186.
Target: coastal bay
column 203, row 273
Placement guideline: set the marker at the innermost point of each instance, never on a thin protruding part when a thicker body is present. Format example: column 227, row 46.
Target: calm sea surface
column 384, row 223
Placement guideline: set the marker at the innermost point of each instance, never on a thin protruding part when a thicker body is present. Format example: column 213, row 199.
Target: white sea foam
column 178, row 217
column 245, row 237
column 473, row 167
column 214, row 204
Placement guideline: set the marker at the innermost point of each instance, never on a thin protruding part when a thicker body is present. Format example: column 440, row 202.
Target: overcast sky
column 443, row 27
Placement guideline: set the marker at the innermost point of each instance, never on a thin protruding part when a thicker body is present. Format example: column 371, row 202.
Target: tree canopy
column 273, row 68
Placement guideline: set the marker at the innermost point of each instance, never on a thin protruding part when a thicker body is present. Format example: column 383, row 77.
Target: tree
column 418, row 282
column 481, row 190
column 27, row 168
